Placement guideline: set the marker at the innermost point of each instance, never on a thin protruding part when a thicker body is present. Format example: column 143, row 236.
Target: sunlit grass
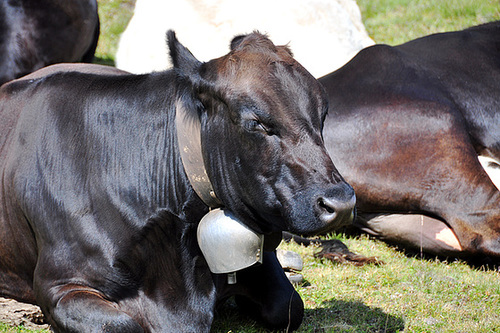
column 4, row 328
column 114, row 16
column 419, row 295
column 406, row 293
column 396, row 21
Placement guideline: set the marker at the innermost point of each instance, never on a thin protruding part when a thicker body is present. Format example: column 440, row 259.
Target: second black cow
column 405, row 128
column 38, row 33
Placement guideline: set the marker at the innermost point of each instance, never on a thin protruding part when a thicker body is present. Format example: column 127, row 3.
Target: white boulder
column 323, row 34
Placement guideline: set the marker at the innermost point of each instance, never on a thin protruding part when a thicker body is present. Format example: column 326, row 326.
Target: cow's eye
column 256, row 126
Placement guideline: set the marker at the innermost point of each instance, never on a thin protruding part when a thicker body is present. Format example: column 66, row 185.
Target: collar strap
column 189, row 140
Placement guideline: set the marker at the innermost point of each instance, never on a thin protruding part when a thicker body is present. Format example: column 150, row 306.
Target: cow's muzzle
column 335, row 212
column 322, row 209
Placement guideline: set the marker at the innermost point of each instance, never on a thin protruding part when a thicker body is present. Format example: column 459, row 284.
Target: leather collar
column 189, row 140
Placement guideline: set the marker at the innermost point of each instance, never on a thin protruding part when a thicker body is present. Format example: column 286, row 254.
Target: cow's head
column 261, row 116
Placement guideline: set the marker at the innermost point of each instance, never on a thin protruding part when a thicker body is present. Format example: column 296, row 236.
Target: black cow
column 37, row 33
column 405, row 128
column 98, row 218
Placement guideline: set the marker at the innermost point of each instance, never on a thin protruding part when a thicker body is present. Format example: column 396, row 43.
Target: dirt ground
column 17, row 313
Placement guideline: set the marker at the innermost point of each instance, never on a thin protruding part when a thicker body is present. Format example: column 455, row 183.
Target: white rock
column 323, row 34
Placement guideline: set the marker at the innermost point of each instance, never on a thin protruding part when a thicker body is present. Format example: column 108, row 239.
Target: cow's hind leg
column 83, row 309
column 413, row 230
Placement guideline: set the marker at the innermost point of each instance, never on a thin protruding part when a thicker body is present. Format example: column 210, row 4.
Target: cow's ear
column 182, row 58
column 236, row 41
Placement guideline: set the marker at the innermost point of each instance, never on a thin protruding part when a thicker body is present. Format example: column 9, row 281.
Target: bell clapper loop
column 231, row 278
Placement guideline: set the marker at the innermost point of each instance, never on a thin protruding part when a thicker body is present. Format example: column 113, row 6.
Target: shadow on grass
column 350, row 316
column 333, row 316
column 477, row 262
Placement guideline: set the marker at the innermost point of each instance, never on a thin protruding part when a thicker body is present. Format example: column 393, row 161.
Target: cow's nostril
column 335, row 211
column 326, row 205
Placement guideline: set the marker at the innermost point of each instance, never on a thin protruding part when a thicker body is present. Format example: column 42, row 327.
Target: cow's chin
column 308, row 223
column 315, row 229
column 297, row 222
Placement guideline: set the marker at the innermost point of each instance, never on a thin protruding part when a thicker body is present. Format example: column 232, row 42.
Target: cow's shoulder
column 481, row 38
column 375, row 67
column 373, row 58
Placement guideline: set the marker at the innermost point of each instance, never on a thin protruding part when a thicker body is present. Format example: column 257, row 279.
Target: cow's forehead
column 268, row 78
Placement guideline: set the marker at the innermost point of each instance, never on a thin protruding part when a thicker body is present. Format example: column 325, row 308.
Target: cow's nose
column 334, row 211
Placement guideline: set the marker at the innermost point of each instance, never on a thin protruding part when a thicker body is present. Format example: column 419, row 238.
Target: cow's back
column 15, row 94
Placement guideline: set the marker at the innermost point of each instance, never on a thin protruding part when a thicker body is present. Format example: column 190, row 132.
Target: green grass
column 114, row 16
column 397, row 21
column 407, row 294
column 4, row 328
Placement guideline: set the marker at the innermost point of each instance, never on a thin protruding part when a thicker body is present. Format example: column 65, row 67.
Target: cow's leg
column 468, row 201
column 158, row 281
column 415, row 231
column 269, row 296
column 83, row 309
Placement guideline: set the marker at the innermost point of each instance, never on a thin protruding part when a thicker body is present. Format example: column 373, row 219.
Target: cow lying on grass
column 406, row 126
column 100, row 201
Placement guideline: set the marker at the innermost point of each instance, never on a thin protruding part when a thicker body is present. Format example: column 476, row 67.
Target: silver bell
column 227, row 244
